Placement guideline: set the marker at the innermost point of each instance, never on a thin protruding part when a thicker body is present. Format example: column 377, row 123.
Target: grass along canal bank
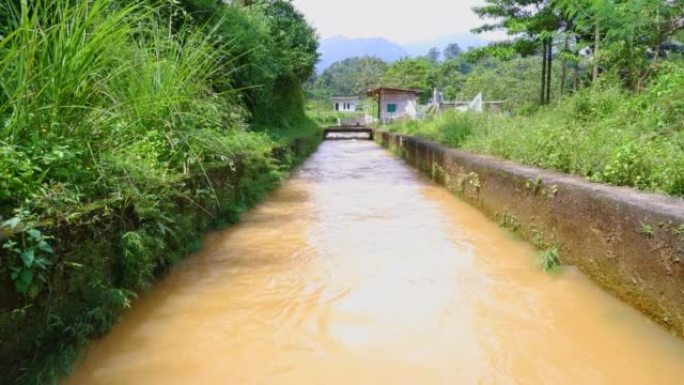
column 128, row 131
column 630, row 242
column 603, row 134
column 97, row 262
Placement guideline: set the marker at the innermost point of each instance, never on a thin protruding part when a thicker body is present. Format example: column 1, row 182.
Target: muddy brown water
column 360, row 271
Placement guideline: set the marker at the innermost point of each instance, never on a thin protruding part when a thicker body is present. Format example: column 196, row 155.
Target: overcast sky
column 402, row 21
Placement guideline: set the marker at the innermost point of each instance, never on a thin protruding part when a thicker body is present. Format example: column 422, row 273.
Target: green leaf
column 43, row 263
column 9, row 245
column 12, row 223
column 23, row 283
column 28, row 256
column 33, row 291
column 44, row 246
column 35, row 234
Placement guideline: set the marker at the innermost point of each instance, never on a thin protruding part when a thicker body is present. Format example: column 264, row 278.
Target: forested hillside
column 355, row 75
column 128, row 129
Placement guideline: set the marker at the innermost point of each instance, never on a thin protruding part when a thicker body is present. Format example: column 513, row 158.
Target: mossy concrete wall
column 630, row 242
column 94, row 273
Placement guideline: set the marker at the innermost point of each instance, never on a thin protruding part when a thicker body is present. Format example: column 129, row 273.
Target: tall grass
column 98, row 96
column 450, row 127
column 603, row 134
column 116, row 151
column 57, row 63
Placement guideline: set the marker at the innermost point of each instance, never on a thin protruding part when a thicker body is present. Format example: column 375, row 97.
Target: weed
column 646, row 229
column 534, row 185
column 438, row 172
column 509, row 221
column 550, row 260
column 538, row 239
column 679, row 230
column 29, row 267
column 553, row 191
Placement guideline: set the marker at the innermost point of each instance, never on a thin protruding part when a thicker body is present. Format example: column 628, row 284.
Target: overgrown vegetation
column 356, row 75
column 609, row 106
column 626, row 38
column 460, row 77
column 604, row 133
column 128, row 129
column 348, row 77
column 549, row 260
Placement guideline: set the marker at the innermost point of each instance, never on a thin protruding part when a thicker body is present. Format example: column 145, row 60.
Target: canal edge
column 629, row 242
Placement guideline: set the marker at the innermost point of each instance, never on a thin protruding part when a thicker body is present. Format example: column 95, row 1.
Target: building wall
column 407, row 106
column 345, row 104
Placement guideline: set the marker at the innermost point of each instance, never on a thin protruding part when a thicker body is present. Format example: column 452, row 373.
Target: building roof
column 389, row 90
column 345, row 97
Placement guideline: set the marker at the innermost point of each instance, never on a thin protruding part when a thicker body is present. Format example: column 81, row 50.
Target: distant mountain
column 339, row 48
column 464, row 40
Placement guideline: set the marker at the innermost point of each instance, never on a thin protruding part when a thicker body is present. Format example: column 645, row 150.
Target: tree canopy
column 352, row 76
column 625, row 38
column 416, row 73
column 433, row 54
column 451, row 51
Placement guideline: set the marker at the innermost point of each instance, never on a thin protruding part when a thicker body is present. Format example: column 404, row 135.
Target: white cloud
column 398, row 20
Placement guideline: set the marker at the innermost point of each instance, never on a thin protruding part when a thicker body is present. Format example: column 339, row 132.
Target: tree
column 532, row 24
column 626, row 37
column 292, row 35
column 510, row 81
column 268, row 43
column 589, row 19
column 451, row 77
column 416, row 73
column 369, row 74
column 351, row 76
column 451, row 51
column 433, row 54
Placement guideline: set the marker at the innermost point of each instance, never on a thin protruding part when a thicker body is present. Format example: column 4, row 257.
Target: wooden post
column 597, row 43
column 542, row 94
column 549, row 65
column 380, row 106
column 566, row 48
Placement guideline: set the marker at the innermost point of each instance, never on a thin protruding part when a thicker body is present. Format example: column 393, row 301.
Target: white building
column 395, row 103
column 345, row 103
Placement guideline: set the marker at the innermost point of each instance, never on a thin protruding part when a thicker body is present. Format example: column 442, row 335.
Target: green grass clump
column 450, row 127
column 549, row 260
column 603, row 134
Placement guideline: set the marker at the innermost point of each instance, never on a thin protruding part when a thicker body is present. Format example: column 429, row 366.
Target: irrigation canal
column 360, row 271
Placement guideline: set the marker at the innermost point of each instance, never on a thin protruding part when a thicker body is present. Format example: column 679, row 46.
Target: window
column 392, row 108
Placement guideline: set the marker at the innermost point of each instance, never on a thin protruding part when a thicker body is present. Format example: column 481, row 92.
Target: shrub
column 123, row 139
column 602, row 133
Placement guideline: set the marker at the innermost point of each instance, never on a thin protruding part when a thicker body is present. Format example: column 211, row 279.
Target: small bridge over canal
column 350, row 132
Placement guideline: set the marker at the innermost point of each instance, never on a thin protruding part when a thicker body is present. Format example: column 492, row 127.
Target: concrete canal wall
column 630, row 242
